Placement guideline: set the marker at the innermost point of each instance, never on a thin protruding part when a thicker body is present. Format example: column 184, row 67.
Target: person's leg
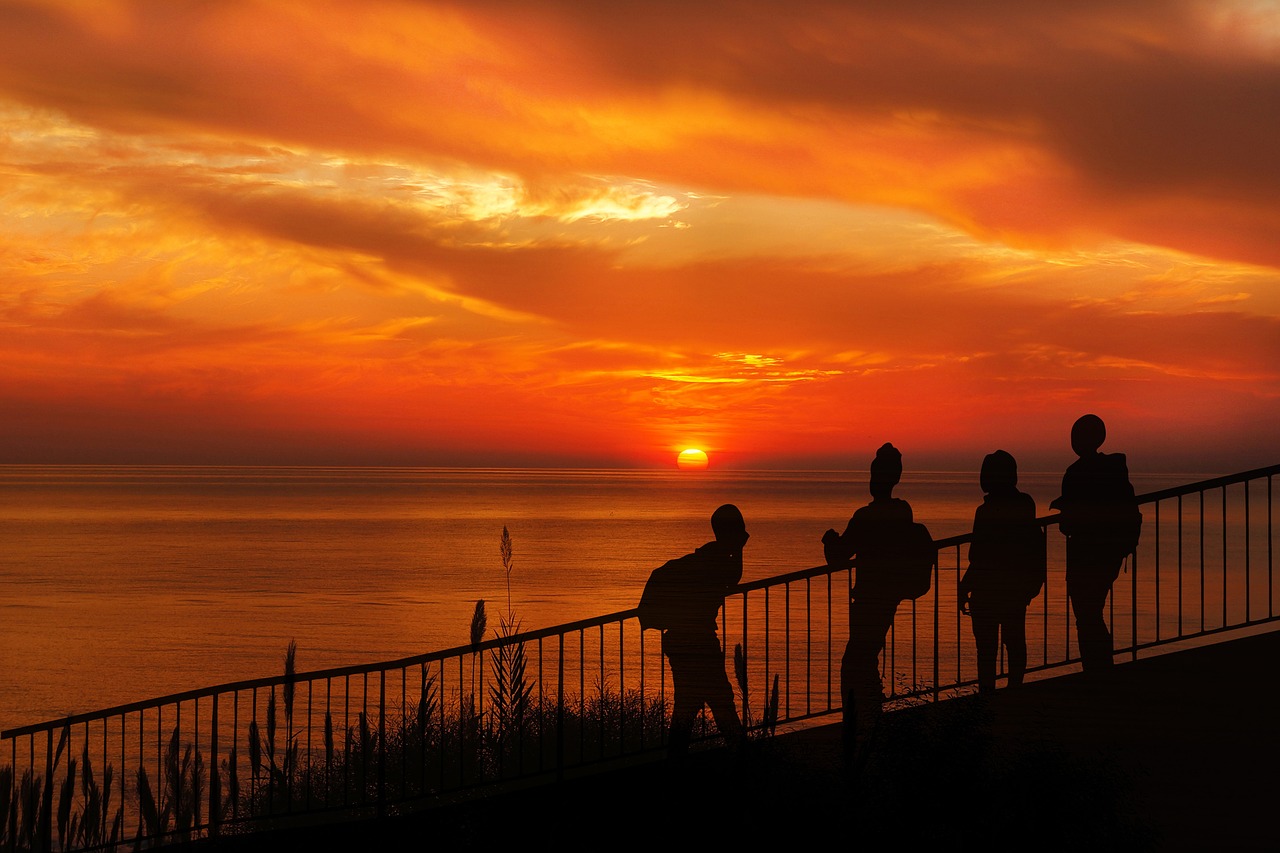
column 687, row 700
column 1088, row 596
column 683, row 712
column 985, row 638
column 859, row 670
column 1013, row 632
column 868, row 685
column 717, row 692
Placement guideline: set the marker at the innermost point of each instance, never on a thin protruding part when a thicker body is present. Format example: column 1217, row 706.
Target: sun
column 691, row 459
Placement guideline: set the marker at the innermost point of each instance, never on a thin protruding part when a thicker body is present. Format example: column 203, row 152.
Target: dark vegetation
column 493, row 733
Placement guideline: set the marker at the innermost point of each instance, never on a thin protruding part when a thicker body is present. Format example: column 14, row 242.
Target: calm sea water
column 120, row 583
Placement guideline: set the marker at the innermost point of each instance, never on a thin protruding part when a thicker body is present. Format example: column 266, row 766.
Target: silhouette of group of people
column 1006, row 571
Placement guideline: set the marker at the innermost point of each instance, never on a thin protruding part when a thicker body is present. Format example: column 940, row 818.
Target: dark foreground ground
column 1176, row 752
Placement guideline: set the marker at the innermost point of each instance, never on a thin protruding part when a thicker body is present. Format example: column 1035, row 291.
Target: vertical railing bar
column 622, row 689
column 600, row 676
column 177, row 728
column 808, row 646
column 937, row 626
column 1180, row 566
column 786, row 649
column 426, row 722
column 404, row 731
column 1157, row 570
column 767, row 613
column 1270, row 546
column 215, row 788
column 124, row 770
column 1224, row 556
column 746, row 651
column 891, row 659
column 542, row 720
column 582, row 694
column 1133, row 597
column 463, row 723
column 959, row 677
column 104, row 755
column 310, row 754
column 1248, row 587
column 328, row 717
column 441, row 694
column 829, row 643
column 1202, row 566
column 235, row 738
column 159, row 742
column 195, row 740
column 46, row 829
column 1066, row 621
column 382, row 740
column 662, row 691
column 644, row 696
column 915, row 677
column 560, row 710
column 346, row 741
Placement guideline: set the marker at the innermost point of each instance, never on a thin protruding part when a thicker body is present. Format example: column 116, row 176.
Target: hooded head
column 999, row 472
column 886, row 470
column 730, row 527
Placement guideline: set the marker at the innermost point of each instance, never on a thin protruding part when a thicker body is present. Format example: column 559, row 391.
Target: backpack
column 660, row 601
column 1035, row 556
column 916, row 557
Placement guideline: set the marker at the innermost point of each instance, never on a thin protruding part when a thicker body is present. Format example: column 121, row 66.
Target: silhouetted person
column 1101, row 521
column 683, row 598
column 873, row 536
column 1006, row 570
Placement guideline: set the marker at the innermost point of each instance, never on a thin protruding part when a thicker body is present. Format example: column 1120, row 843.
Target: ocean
column 121, row 583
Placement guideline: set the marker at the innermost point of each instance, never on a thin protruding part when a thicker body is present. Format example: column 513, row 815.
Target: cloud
column 1032, row 123
column 738, row 225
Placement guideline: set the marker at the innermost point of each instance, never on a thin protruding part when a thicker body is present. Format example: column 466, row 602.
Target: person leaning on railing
column 1101, row 521
column 873, row 536
column 682, row 598
column 1006, row 570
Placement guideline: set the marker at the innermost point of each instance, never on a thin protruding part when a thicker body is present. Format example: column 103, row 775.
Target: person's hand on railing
column 964, row 595
column 830, row 540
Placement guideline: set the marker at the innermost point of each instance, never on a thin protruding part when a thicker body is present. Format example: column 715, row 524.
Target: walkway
column 1175, row 752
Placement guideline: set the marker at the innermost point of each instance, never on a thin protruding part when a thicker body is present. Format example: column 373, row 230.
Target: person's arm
column 838, row 548
column 965, row 587
column 1064, row 505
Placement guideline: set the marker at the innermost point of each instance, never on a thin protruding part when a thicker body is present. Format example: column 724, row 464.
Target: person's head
column 886, row 470
column 729, row 526
column 1087, row 435
column 999, row 472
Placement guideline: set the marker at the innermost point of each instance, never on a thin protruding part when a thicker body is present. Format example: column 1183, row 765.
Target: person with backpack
column 1100, row 518
column 1006, row 570
column 875, row 536
column 682, row 598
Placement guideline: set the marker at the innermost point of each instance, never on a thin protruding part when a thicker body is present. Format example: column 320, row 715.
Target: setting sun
column 691, row 459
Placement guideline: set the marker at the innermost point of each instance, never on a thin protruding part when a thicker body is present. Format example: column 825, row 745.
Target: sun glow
column 691, row 459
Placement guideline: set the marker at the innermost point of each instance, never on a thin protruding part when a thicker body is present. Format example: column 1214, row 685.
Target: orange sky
column 582, row 233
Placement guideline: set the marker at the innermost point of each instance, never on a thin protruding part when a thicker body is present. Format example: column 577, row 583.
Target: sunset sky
column 499, row 233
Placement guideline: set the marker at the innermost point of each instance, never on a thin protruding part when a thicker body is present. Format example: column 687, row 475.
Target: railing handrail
column 552, row 631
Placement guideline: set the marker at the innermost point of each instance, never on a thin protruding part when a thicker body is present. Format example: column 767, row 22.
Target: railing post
column 382, row 743
column 560, row 713
column 1133, row 596
column 215, row 782
column 46, row 822
column 937, row 607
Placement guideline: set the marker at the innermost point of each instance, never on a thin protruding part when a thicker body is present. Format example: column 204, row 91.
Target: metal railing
column 397, row 735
